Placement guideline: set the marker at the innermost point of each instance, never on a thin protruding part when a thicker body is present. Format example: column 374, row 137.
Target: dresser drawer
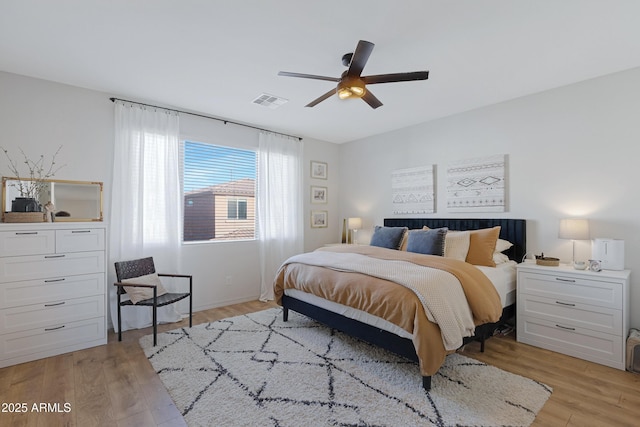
column 69, row 336
column 50, row 266
column 589, row 317
column 79, row 240
column 28, row 292
column 573, row 289
column 50, row 314
column 597, row 347
column 17, row 243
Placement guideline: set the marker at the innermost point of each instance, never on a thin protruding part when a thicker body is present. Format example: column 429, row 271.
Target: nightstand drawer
column 574, row 289
column 602, row 319
column 597, row 347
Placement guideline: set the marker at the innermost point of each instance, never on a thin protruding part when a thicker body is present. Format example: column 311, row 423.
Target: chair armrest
column 181, row 276
column 186, row 276
column 135, row 285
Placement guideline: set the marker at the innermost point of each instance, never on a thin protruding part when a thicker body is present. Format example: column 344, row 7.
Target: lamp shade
column 574, row 229
column 354, row 223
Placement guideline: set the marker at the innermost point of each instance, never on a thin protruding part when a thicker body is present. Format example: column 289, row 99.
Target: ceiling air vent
column 270, row 101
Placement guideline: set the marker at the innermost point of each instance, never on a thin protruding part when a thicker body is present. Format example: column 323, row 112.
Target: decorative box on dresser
column 580, row 313
column 52, row 289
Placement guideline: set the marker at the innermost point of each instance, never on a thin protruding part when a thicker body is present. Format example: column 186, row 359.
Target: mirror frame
column 61, row 181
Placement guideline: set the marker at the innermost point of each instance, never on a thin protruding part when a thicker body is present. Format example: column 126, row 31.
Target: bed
column 380, row 325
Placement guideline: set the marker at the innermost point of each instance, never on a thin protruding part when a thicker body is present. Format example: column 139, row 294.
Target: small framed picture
column 318, row 170
column 318, row 194
column 318, row 219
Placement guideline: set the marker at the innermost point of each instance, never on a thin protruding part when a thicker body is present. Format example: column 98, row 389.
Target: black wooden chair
column 142, row 267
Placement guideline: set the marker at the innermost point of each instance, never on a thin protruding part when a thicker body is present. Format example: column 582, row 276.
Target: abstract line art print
column 477, row 184
column 412, row 190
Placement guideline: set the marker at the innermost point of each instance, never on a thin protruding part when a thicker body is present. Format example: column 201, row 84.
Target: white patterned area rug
column 256, row 370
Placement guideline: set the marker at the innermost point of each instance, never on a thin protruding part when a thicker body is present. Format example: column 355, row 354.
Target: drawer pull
column 54, row 280
column 80, row 231
column 25, row 233
column 565, row 280
column 565, row 303
column 54, row 256
column 56, row 304
column 53, row 329
column 565, row 327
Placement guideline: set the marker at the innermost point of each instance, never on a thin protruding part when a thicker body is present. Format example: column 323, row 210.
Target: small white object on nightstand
column 579, row 265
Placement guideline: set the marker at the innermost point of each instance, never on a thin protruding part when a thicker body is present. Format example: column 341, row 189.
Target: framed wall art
column 319, row 170
column 477, row 184
column 318, row 194
column 412, row 190
column 318, row 219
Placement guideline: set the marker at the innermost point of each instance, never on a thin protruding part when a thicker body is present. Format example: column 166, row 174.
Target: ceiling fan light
column 351, row 88
column 357, row 91
column 344, row 93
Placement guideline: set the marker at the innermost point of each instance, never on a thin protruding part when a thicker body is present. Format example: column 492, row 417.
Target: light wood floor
column 114, row 384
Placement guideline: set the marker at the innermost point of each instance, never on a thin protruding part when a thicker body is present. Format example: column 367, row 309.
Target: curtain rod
column 206, row 117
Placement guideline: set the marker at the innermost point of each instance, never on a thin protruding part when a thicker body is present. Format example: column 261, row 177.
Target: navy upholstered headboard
column 513, row 230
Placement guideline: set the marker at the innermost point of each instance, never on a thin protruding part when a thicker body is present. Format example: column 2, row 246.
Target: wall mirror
column 73, row 200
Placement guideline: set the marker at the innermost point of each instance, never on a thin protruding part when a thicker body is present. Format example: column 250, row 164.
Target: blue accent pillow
column 388, row 237
column 428, row 242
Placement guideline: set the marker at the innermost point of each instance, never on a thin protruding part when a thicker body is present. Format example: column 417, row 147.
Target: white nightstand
column 576, row 312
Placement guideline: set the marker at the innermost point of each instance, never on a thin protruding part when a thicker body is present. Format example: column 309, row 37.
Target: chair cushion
column 137, row 293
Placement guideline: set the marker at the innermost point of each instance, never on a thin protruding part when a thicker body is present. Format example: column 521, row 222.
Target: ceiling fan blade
column 360, row 58
column 371, row 100
column 322, row 98
column 396, row 77
column 309, row 76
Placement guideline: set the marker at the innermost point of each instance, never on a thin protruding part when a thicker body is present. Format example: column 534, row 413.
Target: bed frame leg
column 426, row 382
column 482, row 343
column 285, row 314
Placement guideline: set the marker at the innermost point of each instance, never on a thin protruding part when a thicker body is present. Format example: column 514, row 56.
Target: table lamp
column 574, row 229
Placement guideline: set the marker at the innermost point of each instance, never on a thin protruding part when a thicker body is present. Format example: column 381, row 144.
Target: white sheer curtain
column 145, row 200
column 280, row 222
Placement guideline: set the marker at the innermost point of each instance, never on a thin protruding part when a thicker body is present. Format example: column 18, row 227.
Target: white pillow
column 502, row 245
column 137, row 294
column 456, row 244
column 500, row 258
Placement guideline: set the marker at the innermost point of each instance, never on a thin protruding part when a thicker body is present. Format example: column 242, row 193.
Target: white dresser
column 581, row 313
column 52, row 289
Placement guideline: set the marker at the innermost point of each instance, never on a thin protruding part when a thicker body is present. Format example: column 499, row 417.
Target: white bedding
column 503, row 277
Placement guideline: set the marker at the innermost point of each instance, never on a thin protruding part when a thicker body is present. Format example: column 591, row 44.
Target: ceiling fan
column 352, row 84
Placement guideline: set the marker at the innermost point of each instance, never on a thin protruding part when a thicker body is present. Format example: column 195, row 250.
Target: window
column 219, row 193
column 237, row 209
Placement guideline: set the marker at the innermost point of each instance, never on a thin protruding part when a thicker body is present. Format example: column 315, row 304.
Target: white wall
column 38, row 116
column 572, row 151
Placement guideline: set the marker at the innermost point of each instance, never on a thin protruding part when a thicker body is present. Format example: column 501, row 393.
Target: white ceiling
column 215, row 57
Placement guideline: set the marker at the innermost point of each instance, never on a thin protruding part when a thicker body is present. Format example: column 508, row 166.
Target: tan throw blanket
column 439, row 291
column 395, row 303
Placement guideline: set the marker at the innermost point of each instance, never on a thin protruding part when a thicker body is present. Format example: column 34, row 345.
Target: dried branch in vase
column 31, row 184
